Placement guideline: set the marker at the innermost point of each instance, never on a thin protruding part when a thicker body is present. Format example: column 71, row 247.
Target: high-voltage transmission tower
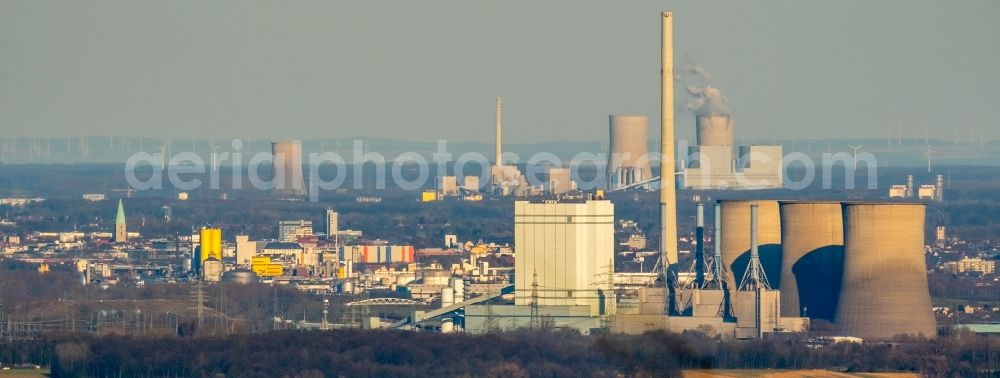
column 491, row 324
column 534, row 322
column 198, row 297
column 610, row 299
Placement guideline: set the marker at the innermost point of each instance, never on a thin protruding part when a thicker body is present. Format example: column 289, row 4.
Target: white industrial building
column 715, row 167
column 712, row 164
column 560, row 181
column 291, row 230
column 563, row 252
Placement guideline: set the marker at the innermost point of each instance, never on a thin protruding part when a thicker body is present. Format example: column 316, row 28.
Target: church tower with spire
column 121, row 234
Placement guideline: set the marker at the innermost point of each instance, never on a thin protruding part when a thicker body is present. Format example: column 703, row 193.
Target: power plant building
column 504, row 179
column 561, row 252
column 559, row 181
column 713, row 165
column 628, row 157
column 287, row 168
column 447, row 186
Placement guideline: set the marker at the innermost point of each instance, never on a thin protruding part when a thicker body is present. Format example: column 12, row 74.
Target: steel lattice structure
column 386, row 302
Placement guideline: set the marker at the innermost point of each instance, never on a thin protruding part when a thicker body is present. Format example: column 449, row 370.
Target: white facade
column 570, row 246
column 245, row 249
column 332, row 223
column 560, row 181
column 898, row 191
column 290, row 231
column 447, row 186
column 714, row 167
column 927, row 192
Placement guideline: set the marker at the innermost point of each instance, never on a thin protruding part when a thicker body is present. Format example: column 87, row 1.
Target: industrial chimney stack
column 499, row 145
column 668, row 190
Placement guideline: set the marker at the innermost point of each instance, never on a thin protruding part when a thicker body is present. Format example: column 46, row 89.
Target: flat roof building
column 563, row 251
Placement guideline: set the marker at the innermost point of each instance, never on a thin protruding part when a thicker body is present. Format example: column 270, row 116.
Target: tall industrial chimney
column 939, row 188
column 668, row 190
column 499, row 149
column 909, row 186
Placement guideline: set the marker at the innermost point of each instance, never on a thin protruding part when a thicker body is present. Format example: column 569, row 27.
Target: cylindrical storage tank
column 346, row 287
column 812, row 258
column 435, row 277
column 628, row 159
column 736, row 239
column 212, row 270
column 404, row 279
column 884, row 291
column 447, row 297
column 240, row 276
column 714, row 130
column 447, row 326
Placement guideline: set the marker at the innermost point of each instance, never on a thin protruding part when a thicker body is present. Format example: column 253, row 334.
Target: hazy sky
column 429, row 70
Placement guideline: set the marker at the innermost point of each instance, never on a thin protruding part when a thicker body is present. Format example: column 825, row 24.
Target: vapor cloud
column 705, row 99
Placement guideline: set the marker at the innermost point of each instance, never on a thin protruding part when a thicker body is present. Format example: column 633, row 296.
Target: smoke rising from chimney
column 705, row 99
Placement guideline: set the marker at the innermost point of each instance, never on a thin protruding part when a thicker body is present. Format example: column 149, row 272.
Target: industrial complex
column 766, row 267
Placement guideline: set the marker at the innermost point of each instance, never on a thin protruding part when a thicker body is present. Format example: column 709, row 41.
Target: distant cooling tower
column 736, row 238
column 884, row 291
column 812, row 258
column 628, row 159
column 288, row 168
column 714, row 130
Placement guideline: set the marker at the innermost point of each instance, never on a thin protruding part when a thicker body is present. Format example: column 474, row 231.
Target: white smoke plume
column 705, row 99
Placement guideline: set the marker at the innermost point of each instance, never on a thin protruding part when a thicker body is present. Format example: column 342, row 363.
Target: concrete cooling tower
column 628, row 159
column 884, row 291
column 714, row 130
column 812, row 258
column 736, row 238
column 288, row 168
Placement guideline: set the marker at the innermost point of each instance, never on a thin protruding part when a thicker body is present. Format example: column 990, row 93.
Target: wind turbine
column 215, row 154
column 928, row 154
column 855, row 148
column 163, row 157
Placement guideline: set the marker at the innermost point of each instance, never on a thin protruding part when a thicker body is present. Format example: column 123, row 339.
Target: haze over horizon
column 415, row 71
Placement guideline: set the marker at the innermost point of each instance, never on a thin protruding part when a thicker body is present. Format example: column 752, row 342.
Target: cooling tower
column 714, row 130
column 884, row 290
column 288, row 168
column 628, row 159
column 736, row 238
column 812, row 258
